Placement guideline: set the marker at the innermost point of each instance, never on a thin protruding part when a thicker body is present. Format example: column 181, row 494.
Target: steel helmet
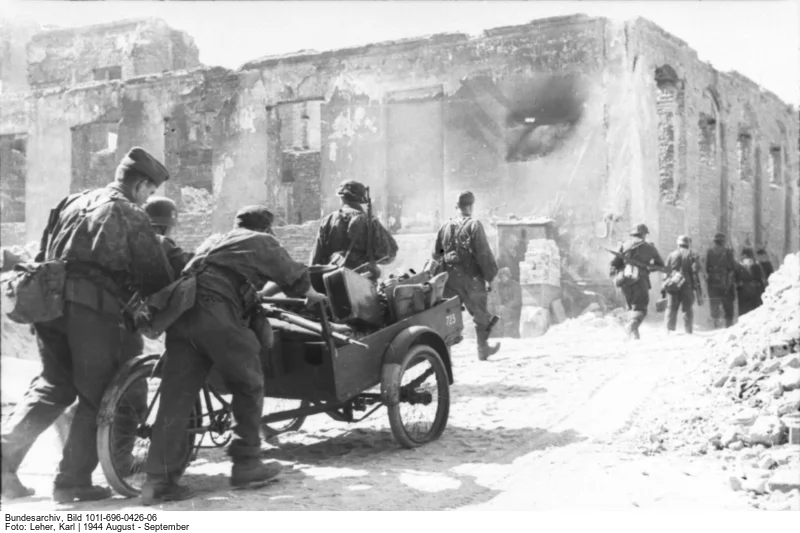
column 162, row 211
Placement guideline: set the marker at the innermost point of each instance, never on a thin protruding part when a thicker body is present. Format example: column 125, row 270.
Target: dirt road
column 563, row 421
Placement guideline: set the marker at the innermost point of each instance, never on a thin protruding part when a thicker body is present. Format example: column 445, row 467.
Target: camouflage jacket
column 346, row 230
column 106, row 238
column 231, row 263
column 178, row 259
column 462, row 243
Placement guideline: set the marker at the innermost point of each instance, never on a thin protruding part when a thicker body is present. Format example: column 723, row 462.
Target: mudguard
column 398, row 348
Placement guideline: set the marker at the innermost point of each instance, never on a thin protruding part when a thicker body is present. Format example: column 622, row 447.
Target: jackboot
column 13, row 487
column 250, row 470
column 160, row 489
column 484, row 348
column 85, row 493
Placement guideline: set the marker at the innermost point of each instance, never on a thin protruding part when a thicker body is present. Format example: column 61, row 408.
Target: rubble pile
column 757, row 372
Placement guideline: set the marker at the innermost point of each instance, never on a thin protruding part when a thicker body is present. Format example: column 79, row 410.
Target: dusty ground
column 568, row 420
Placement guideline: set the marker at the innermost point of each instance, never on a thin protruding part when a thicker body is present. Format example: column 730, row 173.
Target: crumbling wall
column 94, row 153
column 727, row 120
column 516, row 116
column 119, row 50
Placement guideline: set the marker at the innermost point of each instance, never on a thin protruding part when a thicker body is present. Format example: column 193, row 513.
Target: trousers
column 209, row 334
column 80, row 353
column 683, row 300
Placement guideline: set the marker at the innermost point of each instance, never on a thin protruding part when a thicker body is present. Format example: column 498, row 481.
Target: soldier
column 163, row 215
column 683, row 262
column 343, row 234
column 215, row 332
column 750, row 282
column 462, row 246
column 721, row 276
column 111, row 252
column 637, row 289
column 766, row 265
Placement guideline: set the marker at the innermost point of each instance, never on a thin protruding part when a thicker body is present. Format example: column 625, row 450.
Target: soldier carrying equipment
column 462, row 249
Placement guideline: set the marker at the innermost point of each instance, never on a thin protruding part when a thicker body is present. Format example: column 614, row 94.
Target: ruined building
column 595, row 123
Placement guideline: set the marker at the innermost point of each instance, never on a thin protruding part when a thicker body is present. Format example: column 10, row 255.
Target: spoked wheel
column 420, row 397
column 127, row 413
column 277, row 405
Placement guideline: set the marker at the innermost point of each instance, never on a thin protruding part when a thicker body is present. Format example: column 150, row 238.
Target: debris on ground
column 757, row 375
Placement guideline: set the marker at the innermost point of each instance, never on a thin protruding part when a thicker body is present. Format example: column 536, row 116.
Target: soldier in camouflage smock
column 111, row 252
column 343, row 234
column 462, row 246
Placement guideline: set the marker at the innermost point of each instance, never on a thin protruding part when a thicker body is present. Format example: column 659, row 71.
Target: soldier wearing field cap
column 111, row 253
column 637, row 291
column 462, row 247
column 229, row 270
column 343, row 235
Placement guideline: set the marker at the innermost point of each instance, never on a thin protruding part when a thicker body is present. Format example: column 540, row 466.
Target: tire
column 426, row 359
column 120, row 422
column 276, row 405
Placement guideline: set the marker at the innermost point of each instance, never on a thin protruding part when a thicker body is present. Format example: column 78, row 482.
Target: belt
column 92, row 295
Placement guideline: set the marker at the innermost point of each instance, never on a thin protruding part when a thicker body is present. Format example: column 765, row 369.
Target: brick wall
column 299, row 239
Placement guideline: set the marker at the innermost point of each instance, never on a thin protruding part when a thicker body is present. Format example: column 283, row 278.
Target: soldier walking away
column 111, row 252
column 215, row 332
column 766, row 265
column 721, row 275
column 750, row 282
column 680, row 284
column 347, row 238
column 462, row 247
column 635, row 280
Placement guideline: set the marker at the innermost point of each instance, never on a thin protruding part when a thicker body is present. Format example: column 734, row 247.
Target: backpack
column 34, row 293
column 720, row 275
column 458, row 251
column 629, row 275
column 675, row 280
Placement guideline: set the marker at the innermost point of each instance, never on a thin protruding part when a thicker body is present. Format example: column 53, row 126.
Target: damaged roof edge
column 117, row 24
column 730, row 75
column 386, row 47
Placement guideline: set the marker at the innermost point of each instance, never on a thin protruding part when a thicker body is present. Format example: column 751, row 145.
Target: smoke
column 542, row 116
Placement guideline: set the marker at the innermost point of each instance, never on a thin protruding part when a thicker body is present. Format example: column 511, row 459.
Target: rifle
column 370, row 250
column 372, row 265
column 635, row 262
